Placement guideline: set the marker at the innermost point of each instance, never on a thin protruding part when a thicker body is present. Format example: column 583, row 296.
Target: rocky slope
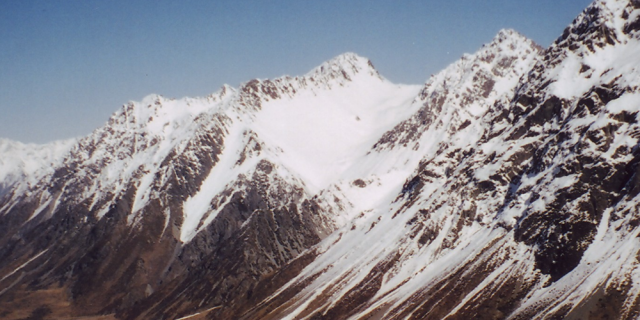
column 504, row 188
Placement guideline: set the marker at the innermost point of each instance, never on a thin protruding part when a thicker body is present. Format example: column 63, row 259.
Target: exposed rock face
column 504, row 188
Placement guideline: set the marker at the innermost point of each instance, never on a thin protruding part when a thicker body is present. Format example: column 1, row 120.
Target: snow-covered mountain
column 504, row 187
column 27, row 163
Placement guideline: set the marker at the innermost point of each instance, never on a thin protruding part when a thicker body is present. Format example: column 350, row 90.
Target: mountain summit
column 505, row 187
column 344, row 66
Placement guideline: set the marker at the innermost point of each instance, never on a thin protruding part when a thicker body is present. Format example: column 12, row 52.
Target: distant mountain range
column 505, row 187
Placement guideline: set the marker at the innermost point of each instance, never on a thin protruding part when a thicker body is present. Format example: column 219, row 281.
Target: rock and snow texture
column 505, row 187
column 26, row 163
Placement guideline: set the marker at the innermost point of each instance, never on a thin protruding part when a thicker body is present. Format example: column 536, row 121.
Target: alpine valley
column 505, row 187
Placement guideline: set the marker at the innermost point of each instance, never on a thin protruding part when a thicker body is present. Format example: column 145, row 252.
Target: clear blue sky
column 65, row 66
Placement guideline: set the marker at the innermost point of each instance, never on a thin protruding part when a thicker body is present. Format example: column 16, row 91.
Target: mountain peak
column 345, row 66
column 509, row 38
column 350, row 59
column 508, row 34
column 603, row 23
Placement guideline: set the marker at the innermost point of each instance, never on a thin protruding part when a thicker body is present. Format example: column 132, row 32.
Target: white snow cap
column 28, row 162
column 510, row 35
column 345, row 66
